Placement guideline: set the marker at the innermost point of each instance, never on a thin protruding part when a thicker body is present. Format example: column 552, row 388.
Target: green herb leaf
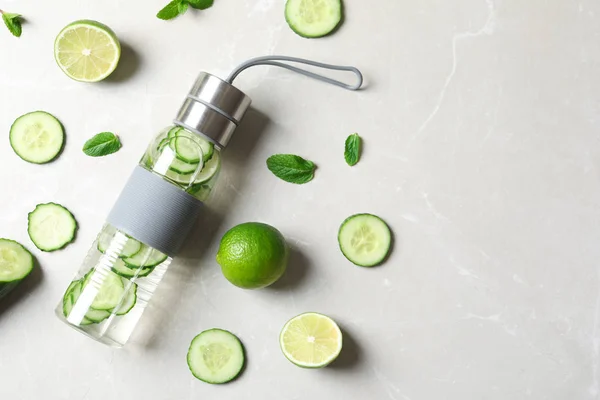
column 352, row 153
column 182, row 7
column 13, row 23
column 171, row 10
column 201, row 4
column 291, row 168
column 102, row 144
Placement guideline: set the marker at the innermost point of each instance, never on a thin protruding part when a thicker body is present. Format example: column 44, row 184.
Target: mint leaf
column 352, row 152
column 171, row 10
column 182, row 7
column 102, row 144
column 291, row 168
column 13, row 23
column 200, row 4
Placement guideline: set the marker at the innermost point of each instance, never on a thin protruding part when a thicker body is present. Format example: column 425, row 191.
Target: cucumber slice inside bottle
column 186, row 149
column 216, row 356
column 313, row 18
column 186, row 144
column 130, row 300
column 119, row 267
column 147, row 257
column 365, row 239
column 130, row 248
column 110, row 290
column 51, row 227
column 16, row 263
column 209, row 170
column 37, row 137
column 182, row 167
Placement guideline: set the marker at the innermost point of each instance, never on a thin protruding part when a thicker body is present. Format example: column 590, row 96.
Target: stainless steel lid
column 213, row 109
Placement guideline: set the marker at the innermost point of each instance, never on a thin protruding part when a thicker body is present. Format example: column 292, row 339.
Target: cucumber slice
column 147, row 257
column 313, row 18
column 120, row 268
column 110, row 292
column 216, row 356
column 51, row 227
column 130, row 300
column 37, row 137
column 182, row 167
column 131, row 247
column 16, row 263
column 208, row 171
column 365, row 239
column 174, row 131
column 186, row 149
column 97, row 316
column 189, row 147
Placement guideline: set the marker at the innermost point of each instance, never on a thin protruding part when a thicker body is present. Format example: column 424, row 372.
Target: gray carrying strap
column 274, row 61
column 155, row 212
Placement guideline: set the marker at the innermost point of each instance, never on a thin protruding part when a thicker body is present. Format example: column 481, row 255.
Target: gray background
column 480, row 122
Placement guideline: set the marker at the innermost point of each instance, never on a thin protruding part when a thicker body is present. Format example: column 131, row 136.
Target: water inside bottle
column 113, row 287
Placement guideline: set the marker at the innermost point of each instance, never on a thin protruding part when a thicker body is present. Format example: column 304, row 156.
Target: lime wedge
column 311, row 340
column 87, row 51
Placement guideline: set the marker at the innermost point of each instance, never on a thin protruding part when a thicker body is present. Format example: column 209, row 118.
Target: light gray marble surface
column 481, row 128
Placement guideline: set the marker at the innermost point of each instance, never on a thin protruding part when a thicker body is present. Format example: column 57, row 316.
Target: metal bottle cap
column 213, row 109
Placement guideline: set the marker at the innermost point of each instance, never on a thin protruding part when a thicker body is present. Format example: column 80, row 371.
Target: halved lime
column 87, row 51
column 311, row 340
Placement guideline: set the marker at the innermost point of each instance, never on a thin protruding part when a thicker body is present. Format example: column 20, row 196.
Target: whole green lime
column 253, row 255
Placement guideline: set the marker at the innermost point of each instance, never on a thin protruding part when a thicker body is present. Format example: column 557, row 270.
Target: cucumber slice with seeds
column 131, row 298
column 122, row 269
column 16, row 263
column 186, row 149
column 131, row 247
column 365, row 239
column 147, row 257
column 313, row 18
column 51, row 227
column 216, row 356
column 182, row 167
column 110, row 291
column 208, row 171
column 37, row 137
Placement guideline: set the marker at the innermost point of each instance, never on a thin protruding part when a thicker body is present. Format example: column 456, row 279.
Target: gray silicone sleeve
column 155, row 212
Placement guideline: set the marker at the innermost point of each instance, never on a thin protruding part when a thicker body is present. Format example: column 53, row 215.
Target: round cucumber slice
column 216, row 356
column 122, row 269
column 130, row 248
column 51, row 227
column 313, row 18
column 208, row 171
column 182, row 167
column 147, row 257
column 97, row 316
column 37, row 137
column 16, row 262
column 130, row 300
column 186, row 149
column 110, row 292
column 365, row 239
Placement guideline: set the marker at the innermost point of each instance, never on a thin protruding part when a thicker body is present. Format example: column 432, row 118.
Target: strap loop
column 273, row 61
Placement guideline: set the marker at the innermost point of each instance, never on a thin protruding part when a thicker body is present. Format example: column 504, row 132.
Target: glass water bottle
column 153, row 215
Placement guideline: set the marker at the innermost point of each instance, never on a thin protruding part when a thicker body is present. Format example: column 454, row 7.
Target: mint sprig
column 179, row 7
column 352, row 149
column 13, row 22
column 102, row 144
column 291, row 168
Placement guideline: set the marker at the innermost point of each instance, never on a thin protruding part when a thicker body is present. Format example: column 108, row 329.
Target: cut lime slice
column 87, row 51
column 311, row 340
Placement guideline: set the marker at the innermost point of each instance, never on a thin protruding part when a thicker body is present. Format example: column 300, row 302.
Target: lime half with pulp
column 311, row 340
column 87, row 51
